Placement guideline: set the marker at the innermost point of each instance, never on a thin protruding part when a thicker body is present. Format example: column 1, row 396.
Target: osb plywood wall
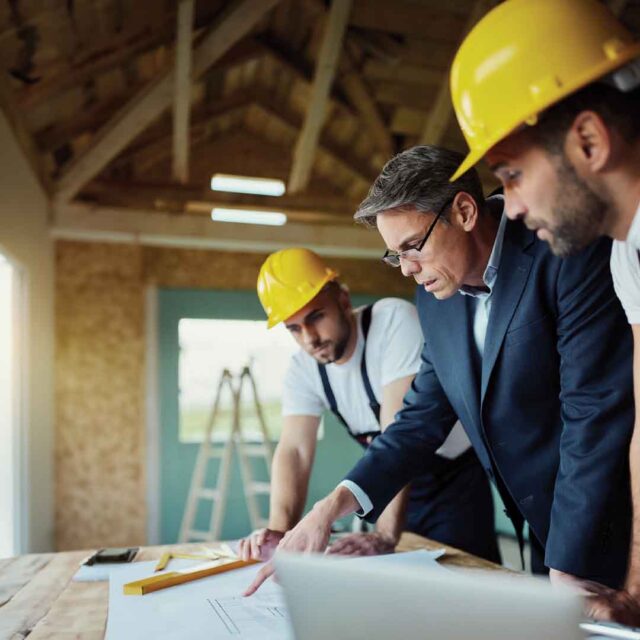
column 100, row 372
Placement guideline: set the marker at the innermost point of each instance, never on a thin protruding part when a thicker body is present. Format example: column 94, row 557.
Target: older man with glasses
column 530, row 352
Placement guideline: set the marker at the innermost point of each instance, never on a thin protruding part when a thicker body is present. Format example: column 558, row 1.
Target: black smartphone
column 112, row 555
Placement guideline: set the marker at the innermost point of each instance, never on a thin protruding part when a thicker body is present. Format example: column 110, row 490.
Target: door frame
column 17, row 431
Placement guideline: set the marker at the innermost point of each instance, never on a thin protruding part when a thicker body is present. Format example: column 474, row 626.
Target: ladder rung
column 215, row 453
column 259, row 487
column 208, row 494
column 255, row 450
column 198, row 535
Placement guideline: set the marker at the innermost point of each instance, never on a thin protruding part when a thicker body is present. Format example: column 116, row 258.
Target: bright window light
column 7, row 411
column 246, row 216
column 241, row 184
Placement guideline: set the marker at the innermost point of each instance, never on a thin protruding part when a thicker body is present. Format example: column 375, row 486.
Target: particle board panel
column 99, row 396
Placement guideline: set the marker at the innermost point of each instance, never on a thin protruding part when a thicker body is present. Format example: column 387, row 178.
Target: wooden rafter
column 355, row 88
column 158, row 149
column 90, row 120
column 441, row 111
column 340, row 155
column 357, row 91
column 61, row 77
column 135, row 116
column 330, row 49
column 110, row 52
column 182, row 96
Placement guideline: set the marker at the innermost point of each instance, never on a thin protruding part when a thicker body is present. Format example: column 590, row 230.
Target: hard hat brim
column 473, row 157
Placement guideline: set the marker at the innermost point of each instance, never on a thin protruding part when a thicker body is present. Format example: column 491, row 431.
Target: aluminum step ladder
column 224, row 453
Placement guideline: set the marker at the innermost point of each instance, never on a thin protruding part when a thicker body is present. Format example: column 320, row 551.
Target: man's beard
column 578, row 212
column 338, row 346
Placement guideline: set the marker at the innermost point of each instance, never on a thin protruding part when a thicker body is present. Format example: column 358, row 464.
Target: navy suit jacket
column 549, row 408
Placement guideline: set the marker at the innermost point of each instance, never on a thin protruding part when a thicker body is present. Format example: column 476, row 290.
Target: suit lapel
column 513, row 272
column 457, row 323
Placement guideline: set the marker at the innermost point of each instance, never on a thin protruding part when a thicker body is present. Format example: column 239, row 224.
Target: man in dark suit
column 532, row 353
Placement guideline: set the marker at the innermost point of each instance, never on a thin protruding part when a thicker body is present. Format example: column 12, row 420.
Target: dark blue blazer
column 549, row 408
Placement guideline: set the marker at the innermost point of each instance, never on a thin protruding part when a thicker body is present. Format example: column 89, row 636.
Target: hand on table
column 604, row 603
column 601, row 602
column 362, row 544
column 260, row 545
column 309, row 535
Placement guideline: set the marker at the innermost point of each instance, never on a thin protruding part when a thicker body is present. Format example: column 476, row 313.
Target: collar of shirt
column 633, row 237
column 491, row 271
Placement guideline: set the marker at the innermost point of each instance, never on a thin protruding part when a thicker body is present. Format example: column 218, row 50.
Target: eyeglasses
column 392, row 258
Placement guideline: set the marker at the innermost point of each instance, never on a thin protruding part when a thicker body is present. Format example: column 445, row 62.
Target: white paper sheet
column 422, row 559
column 214, row 607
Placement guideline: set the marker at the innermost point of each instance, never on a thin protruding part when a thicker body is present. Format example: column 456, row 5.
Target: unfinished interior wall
column 100, row 371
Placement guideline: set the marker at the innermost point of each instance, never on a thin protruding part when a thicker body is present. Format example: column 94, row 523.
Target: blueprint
column 213, row 607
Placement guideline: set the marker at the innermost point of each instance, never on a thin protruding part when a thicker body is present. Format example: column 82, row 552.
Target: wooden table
column 39, row 600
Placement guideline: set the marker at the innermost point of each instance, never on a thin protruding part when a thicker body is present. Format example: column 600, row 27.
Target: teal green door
column 335, row 454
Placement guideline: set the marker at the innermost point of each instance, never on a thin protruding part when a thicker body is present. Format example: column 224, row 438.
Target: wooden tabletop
column 39, row 600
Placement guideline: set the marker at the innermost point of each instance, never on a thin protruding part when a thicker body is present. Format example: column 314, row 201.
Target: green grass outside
column 193, row 422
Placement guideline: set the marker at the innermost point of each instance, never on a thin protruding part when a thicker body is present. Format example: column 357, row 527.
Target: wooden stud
column 182, row 97
column 330, row 49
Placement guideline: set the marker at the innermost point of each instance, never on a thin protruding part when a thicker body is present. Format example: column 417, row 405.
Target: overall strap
column 363, row 439
column 373, row 402
column 331, row 399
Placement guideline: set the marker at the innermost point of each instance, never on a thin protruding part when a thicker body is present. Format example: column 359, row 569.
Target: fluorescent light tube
column 246, row 216
column 241, row 184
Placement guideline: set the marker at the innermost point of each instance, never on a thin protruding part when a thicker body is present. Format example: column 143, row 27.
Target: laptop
column 331, row 598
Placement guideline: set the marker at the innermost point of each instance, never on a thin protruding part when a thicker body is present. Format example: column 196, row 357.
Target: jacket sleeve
column 595, row 347
column 405, row 448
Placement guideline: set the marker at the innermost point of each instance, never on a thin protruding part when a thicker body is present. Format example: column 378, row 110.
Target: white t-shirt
column 393, row 351
column 625, row 269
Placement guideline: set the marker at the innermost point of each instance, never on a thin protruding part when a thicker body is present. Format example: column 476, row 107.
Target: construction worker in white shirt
column 548, row 92
column 359, row 363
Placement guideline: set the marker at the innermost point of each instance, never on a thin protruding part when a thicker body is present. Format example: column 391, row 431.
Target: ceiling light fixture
column 242, row 184
column 247, row 216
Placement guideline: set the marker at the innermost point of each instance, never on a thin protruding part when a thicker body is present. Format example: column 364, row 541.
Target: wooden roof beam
column 51, row 138
column 340, row 154
column 330, row 50
column 182, row 95
column 135, row 116
column 356, row 90
column 442, row 110
column 358, row 93
column 154, row 149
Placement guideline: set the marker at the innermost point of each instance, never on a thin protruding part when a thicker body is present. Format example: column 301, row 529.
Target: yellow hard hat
column 290, row 279
column 526, row 55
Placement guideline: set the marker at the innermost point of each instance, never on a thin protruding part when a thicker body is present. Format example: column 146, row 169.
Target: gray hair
column 418, row 178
